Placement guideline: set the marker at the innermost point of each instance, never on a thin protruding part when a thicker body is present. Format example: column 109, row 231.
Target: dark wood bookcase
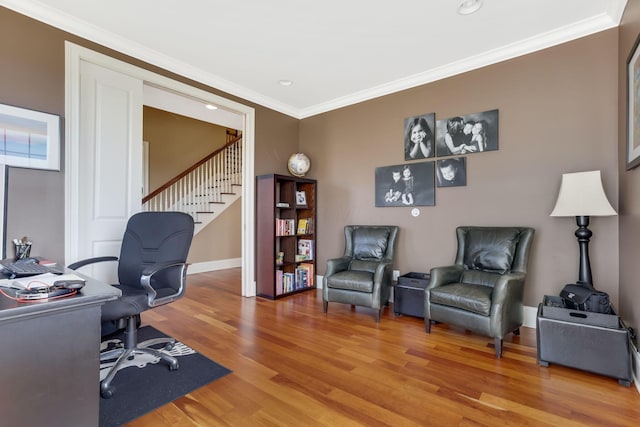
column 285, row 235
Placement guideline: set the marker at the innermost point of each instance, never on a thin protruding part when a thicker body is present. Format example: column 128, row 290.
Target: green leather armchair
column 363, row 275
column 483, row 291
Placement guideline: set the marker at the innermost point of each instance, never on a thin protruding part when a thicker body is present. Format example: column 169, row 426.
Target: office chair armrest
column 152, row 295
column 76, row 265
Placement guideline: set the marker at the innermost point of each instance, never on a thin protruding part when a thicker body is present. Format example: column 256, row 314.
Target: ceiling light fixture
column 285, row 82
column 467, row 7
column 210, row 107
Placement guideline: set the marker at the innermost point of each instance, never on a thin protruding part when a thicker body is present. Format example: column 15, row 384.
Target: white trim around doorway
column 74, row 55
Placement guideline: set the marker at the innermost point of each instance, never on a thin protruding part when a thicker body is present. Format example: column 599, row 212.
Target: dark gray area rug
column 146, row 384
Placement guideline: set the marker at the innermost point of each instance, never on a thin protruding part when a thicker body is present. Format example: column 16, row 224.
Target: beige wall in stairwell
column 176, row 142
column 557, row 114
column 221, row 239
column 33, row 77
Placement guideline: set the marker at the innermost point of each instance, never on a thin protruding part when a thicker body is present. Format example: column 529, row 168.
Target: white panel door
column 109, row 163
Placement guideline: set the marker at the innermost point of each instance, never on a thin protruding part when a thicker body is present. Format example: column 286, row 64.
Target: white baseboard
column 203, row 267
column 530, row 314
column 635, row 364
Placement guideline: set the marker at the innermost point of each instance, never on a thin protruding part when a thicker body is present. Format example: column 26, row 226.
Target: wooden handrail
column 184, row 173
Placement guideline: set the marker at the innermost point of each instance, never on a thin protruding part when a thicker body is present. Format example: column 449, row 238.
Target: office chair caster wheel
column 169, row 346
column 107, row 393
column 174, row 366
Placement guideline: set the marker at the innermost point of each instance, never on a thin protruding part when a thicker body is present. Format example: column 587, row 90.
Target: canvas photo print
column 473, row 133
column 451, row 172
column 411, row 184
column 419, row 141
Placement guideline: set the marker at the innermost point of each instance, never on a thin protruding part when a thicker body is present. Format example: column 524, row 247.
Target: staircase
column 205, row 189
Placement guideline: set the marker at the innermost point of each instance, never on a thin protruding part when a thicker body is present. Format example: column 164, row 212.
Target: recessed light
column 467, row 7
column 285, row 82
column 210, row 107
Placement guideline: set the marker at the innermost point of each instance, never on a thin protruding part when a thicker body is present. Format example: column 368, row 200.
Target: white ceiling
column 336, row 52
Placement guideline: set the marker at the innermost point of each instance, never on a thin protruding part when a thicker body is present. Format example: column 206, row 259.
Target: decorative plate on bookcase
column 298, row 164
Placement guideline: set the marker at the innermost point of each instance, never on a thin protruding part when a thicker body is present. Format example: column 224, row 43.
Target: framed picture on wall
column 411, row 184
column 419, row 141
column 451, row 172
column 633, row 107
column 473, row 133
column 29, row 139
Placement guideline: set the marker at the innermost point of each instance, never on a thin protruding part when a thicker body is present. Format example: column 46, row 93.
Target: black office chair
column 151, row 272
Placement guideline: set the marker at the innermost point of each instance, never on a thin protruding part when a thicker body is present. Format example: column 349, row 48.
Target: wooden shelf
column 276, row 280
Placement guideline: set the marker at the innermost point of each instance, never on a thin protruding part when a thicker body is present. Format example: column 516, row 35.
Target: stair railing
column 201, row 185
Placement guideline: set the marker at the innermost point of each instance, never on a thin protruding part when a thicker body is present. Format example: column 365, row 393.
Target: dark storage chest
column 408, row 296
column 592, row 342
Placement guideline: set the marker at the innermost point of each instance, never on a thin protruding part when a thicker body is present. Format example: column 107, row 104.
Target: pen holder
column 23, row 250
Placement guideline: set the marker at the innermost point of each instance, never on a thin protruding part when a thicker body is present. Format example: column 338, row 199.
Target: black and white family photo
column 419, row 142
column 411, row 184
column 473, row 133
column 451, row 172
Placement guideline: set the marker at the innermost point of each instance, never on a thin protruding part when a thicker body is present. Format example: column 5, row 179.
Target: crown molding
column 72, row 25
column 539, row 42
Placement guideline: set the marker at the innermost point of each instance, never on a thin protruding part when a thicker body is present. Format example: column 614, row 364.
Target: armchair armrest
column 444, row 275
column 336, row 265
column 381, row 270
column 506, row 307
column 76, row 265
column 145, row 281
column 509, row 288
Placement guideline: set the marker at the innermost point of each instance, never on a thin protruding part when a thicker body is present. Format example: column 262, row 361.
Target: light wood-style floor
column 295, row 366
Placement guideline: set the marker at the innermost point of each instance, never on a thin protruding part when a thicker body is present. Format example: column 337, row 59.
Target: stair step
column 230, row 194
column 219, row 203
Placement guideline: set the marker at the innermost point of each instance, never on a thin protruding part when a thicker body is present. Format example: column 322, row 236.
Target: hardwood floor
column 295, row 366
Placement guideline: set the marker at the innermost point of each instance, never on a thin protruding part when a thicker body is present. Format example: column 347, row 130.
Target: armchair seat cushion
column 464, row 296
column 352, row 280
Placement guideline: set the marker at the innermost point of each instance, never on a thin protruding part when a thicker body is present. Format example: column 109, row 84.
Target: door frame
column 74, row 54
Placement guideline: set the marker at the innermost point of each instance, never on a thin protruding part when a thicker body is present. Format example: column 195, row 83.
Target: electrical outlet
column 396, row 274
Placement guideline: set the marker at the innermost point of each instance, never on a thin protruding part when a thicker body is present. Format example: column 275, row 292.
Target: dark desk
column 49, row 358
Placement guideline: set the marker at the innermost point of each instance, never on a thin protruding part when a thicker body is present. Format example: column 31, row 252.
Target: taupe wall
column 177, row 142
column 32, row 77
column 558, row 113
column 629, row 304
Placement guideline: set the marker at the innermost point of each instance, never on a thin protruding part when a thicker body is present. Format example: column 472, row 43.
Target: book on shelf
column 305, row 226
column 280, row 258
column 279, row 281
column 285, row 227
column 288, row 282
column 305, row 249
column 306, row 274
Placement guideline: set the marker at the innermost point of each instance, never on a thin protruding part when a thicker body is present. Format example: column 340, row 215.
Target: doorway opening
column 75, row 56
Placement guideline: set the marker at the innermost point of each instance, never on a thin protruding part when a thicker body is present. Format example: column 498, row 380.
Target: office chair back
column 153, row 238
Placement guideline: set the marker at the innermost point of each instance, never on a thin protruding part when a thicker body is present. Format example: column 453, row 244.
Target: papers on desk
column 35, row 282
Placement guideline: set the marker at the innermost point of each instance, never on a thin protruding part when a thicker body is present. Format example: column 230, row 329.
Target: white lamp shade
column 582, row 194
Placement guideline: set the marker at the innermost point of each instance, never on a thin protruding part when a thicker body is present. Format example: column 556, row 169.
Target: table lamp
column 581, row 195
